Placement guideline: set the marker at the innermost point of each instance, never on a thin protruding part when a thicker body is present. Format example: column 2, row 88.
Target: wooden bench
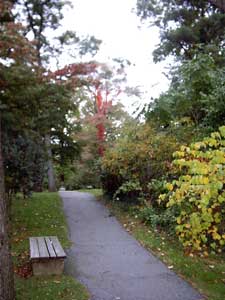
column 47, row 255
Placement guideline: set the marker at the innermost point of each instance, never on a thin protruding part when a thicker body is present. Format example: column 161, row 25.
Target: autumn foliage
column 199, row 194
column 138, row 156
column 102, row 107
column 87, row 75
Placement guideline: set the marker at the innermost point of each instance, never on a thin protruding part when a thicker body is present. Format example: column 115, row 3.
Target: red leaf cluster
column 13, row 44
column 5, row 7
column 75, row 69
column 103, row 107
column 24, row 271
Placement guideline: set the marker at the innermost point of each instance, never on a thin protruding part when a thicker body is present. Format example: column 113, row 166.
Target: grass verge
column 95, row 192
column 40, row 215
column 205, row 274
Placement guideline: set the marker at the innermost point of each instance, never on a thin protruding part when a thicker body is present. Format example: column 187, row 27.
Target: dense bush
column 156, row 187
column 161, row 219
column 130, row 191
column 199, row 194
column 139, row 155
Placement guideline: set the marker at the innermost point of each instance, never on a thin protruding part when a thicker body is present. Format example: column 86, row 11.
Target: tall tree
column 6, row 274
column 41, row 16
column 106, row 85
column 185, row 25
column 10, row 53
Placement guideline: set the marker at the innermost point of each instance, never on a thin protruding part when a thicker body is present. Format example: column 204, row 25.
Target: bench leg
column 48, row 267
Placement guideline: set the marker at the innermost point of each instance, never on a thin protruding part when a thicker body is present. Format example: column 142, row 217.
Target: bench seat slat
column 34, row 251
column 58, row 248
column 50, row 247
column 42, row 248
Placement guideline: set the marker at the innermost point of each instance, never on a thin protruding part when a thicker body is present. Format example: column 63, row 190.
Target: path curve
column 110, row 262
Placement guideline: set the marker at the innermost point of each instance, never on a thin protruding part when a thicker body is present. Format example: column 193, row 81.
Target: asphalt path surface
column 110, row 262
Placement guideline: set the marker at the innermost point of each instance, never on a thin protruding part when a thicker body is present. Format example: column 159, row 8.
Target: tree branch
column 219, row 4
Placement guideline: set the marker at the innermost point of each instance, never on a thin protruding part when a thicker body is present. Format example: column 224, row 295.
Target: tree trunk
column 6, row 266
column 219, row 3
column 51, row 176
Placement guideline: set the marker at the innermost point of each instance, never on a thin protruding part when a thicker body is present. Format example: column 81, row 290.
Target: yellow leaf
column 205, row 180
column 169, row 186
column 178, row 220
column 216, row 236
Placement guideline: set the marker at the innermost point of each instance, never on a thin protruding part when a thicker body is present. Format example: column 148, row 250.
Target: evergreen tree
column 186, row 25
column 219, row 4
column 196, row 95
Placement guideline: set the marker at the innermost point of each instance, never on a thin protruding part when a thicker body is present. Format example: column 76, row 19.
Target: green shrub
column 139, row 155
column 163, row 219
column 155, row 188
column 129, row 190
column 199, row 193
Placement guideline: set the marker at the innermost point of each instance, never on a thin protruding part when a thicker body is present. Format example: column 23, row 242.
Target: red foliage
column 103, row 107
column 13, row 44
column 99, row 100
column 75, row 70
column 76, row 75
column 5, row 7
column 81, row 74
column 24, row 271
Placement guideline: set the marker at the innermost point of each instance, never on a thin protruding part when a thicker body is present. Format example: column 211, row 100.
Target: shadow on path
column 110, row 262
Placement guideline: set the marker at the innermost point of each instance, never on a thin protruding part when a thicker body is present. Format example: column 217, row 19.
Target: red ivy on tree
column 86, row 74
column 102, row 107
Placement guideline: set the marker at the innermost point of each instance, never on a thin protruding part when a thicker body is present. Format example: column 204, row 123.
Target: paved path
column 110, row 262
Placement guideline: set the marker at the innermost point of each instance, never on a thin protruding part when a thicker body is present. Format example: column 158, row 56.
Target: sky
column 122, row 35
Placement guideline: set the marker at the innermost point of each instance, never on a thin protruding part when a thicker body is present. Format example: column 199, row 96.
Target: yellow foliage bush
column 199, row 193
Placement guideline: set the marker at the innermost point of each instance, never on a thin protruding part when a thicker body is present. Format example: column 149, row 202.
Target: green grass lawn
column 40, row 215
column 95, row 192
column 205, row 274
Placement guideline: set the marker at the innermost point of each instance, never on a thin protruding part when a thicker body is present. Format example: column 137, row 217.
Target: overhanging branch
column 219, row 4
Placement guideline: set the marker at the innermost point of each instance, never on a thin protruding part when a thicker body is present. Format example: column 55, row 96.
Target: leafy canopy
column 196, row 94
column 184, row 26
